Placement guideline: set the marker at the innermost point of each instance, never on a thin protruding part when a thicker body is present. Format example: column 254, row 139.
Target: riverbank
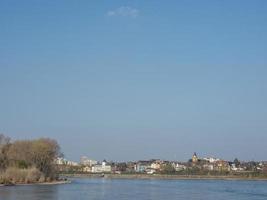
column 161, row 176
column 44, row 183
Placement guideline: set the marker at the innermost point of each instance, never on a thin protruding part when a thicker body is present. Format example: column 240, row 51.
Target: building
column 179, row 167
column 194, row 158
column 235, row 168
column 150, row 171
column 101, row 168
column 211, row 160
column 71, row 163
column 156, row 165
column 209, row 167
column 97, row 169
column 222, row 165
column 63, row 161
column 87, row 162
column 87, row 169
column 142, row 166
column 60, row 161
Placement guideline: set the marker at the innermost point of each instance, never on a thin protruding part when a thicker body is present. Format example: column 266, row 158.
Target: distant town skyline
column 130, row 80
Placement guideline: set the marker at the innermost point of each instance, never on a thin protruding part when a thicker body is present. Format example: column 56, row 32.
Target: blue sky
column 126, row 80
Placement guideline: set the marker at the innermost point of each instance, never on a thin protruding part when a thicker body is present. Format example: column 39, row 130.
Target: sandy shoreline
column 164, row 177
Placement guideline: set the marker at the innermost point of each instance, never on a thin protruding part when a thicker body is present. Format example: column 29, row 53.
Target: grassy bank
column 59, row 182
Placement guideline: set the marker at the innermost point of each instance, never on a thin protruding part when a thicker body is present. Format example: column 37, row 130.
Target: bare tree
column 44, row 153
column 19, row 154
column 4, row 146
column 40, row 153
column 4, row 140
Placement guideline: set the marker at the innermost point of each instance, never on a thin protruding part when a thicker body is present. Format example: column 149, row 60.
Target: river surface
column 122, row 189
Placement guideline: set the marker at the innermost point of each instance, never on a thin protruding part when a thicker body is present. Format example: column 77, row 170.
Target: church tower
column 194, row 158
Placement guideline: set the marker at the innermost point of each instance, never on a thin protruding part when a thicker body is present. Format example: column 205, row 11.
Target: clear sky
column 128, row 80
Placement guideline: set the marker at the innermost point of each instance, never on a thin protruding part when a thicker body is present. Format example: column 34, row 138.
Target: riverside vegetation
column 27, row 161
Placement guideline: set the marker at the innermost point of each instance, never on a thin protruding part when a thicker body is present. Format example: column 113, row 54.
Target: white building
column 71, row 163
column 63, row 161
column 211, row 160
column 150, row 171
column 60, row 161
column 178, row 167
column 101, row 168
column 234, row 168
column 87, row 162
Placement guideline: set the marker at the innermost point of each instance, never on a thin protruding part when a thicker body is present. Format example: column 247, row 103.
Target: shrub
column 15, row 175
column 33, row 175
column 42, row 179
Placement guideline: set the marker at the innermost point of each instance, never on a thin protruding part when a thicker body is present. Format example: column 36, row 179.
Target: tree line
column 27, row 161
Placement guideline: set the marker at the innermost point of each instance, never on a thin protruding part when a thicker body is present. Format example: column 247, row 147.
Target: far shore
column 163, row 176
column 44, row 183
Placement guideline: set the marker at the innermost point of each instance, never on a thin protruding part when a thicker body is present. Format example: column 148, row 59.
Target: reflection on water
column 100, row 189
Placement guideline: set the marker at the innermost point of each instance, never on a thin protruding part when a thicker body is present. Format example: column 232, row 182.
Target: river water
column 122, row 189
